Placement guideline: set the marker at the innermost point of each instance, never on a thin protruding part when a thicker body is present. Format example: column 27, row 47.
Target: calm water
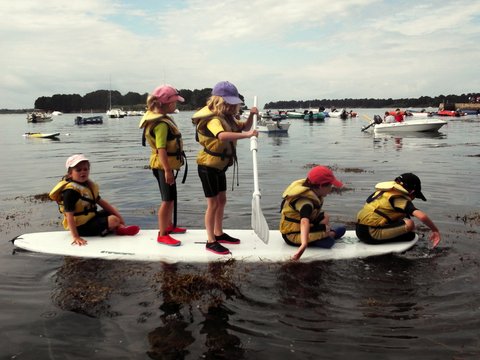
column 423, row 304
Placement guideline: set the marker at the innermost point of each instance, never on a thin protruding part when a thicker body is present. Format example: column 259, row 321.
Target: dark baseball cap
column 411, row 182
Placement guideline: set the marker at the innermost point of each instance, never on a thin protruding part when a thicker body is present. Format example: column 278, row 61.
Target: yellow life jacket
column 290, row 219
column 215, row 153
column 86, row 206
column 174, row 145
column 378, row 210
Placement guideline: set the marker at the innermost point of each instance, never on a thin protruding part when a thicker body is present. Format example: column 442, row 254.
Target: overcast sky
column 278, row 50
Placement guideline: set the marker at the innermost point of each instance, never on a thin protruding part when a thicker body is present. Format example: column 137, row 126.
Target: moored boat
column 38, row 116
column 295, row 114
column 272, row 126
column 116, row 113
column 41, row 135
column 418, row 114
column 342, row 114
column 89, row 120
column 455, row 113
column 317, row 116
column 471, row 112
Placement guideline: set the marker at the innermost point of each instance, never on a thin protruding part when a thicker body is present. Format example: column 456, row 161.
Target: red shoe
column 128, row 230
column 175, row 230
column 168, row 240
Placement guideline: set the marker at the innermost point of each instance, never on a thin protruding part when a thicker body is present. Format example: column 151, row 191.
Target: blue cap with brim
column 228, row 92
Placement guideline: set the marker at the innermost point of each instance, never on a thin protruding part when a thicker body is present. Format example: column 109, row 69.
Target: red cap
column 321, row 175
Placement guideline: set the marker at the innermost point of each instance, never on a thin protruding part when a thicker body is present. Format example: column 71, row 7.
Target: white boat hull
column 410, row 126
column 273, row 126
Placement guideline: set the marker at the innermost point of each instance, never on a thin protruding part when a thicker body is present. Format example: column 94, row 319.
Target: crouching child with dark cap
column 303, row 222
column 386, row 215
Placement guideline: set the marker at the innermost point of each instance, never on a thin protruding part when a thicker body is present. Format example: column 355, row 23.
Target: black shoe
column 217, row 248
column 226, row 239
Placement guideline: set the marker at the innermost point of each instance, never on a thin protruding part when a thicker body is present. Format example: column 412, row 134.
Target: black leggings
column 363, row 234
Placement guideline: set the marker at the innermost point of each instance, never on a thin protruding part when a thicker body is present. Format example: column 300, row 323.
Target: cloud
column 288, row 50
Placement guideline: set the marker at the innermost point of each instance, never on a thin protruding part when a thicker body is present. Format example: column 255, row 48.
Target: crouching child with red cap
column 386, row 215
column 77, row 197
column 303, row 222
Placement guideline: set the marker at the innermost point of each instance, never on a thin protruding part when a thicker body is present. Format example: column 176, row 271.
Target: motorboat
column 272, row 126
column 420, row 125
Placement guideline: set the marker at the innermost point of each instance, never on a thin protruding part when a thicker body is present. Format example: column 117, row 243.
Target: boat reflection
column 413, row 134
column 398, row 140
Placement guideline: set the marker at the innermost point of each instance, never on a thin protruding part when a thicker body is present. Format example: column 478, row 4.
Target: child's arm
column 435, row 235
column 229, row 136
column 304, row 233
column 161, row 132
column 77, row 240
column 162, row 154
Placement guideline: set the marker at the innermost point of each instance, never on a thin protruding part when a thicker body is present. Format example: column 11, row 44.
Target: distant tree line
column 421, row 102
column 102, row 100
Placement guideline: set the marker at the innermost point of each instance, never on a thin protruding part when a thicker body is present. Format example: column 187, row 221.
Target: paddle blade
column 259, row 224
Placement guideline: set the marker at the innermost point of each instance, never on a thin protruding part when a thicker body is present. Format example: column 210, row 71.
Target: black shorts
column 168, row 192
column 213, row 180
column 96, row 226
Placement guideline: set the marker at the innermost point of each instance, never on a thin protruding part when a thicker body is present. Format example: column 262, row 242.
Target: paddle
column 259, row 224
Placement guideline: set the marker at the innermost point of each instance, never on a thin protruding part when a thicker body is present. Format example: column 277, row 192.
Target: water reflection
column 300, row 283
column 85, row 286
column 397, row 141
column 209, row 290
column 414, row 134
column 90, row 287
column 276, row 139
column 394, row 293
column 170, row 341
column 219, row 342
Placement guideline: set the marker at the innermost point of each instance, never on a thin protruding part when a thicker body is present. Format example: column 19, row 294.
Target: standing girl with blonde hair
column 217, row 130
column 165, row 140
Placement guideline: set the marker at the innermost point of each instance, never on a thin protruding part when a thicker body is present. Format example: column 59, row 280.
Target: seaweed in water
column 470, row 219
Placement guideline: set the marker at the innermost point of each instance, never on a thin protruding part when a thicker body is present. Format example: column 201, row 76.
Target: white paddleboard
column 144, row 247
